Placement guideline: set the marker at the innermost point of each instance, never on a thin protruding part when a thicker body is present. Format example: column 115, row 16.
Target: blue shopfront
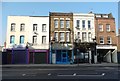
column 60, row 54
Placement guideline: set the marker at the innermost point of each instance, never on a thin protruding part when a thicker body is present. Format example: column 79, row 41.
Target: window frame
column 23, row 39
column 77, row 23
column 12, row 39
column 89, row 24
column 44, row 27
column 35, row 28
column 22, row 28
column 89, row 36
column 62, row 36
column 55, row 23
column 84, row 36
column 83, row 24
column 56, row 36
column 67, row 36
column 67, row 24
column 101, row 40
column 12, row 27
column 44, row 41
column 61, row 23
column 109, row 41
column 34, row 40
column 100, row 27
column 107, row 27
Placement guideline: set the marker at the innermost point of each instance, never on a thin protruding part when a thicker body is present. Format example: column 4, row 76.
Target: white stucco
column 28, row 33
column 86, row 17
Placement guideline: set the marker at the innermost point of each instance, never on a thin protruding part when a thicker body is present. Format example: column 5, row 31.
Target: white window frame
column 83, row 25
column 22, row 27
column 34, row 40
column 89, row 24
column 56, row 36
column 11, row 40
column 13, row 26
column 67, row 36
column 43, row 39
column 78, row 34
column 44, row 27
column 67, row 23
column 100, row 27
column 89, row 36
column 101, row 40
column 84, row 36
column 62, row 38
column 109, row 40
column 23, row 39
column 61, row 23
column 56, row 23
column 35, row 27
column 78, row 23
column 107, row 27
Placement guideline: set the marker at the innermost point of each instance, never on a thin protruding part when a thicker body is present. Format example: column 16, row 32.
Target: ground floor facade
column 61, row 54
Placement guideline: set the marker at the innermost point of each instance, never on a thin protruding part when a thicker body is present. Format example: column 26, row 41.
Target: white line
column 83, row 75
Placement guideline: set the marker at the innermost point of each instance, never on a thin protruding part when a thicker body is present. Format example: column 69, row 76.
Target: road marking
column 23, row 74
column 82, row 75
column 33, row 74
column 49, row 74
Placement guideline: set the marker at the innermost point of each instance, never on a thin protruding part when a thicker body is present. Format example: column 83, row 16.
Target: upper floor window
column 78, row 23
column 84, row 38
column 21, row 39
column 83, row 24
column 89, row 24
column 34, row 27
column 43, row 39
column 43, row 27
column 67, row 37
column 101, row 40
column 78, row 34
column 67, row 23
column 107, row 27
column 105, row 16
column 100, row 27
column 61, row 23
column 12, row 39
column 13, row 27
column 89, row 36
column 56, row 36
column 61, row 36
column 98, row 16
column 22, row 27
column 34, row 39
column 109, row 40
column 56, row 23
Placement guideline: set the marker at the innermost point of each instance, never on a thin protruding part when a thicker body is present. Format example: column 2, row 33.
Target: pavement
column 62, row 65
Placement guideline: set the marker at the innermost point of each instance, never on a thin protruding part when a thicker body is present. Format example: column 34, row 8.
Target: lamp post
column 95, row 55
column 78, row 42
column 71, row 32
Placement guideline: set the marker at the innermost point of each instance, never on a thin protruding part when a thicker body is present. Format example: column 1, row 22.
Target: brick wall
column 105, row 33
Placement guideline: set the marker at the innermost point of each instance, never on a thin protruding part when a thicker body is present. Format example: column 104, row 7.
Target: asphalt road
column 61, row 73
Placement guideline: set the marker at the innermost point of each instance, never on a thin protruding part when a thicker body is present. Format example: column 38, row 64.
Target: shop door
column 64, row 57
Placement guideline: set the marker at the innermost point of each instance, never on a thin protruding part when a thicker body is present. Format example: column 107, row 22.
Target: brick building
column 61, row 33
column 106, row 37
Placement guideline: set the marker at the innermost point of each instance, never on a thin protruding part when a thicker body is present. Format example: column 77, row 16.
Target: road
column 75, row 72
